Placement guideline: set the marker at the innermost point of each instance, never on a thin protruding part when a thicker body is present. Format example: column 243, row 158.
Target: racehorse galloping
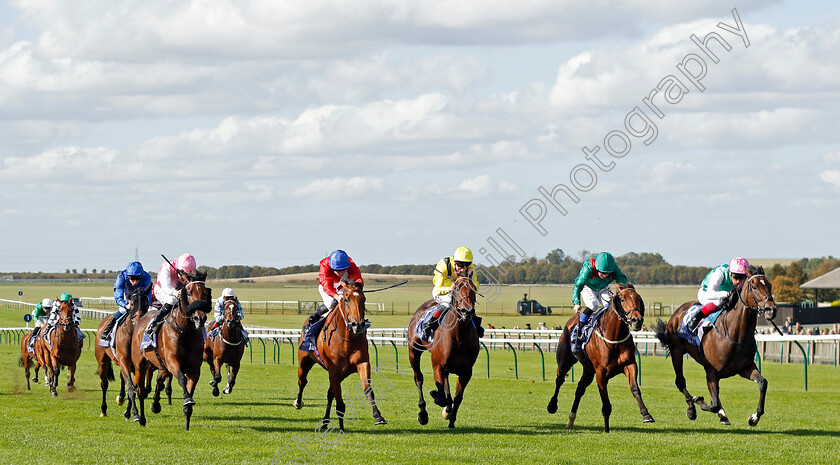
column 342, row 349
column 180, row 345
column 228, row 347
column 610, row 353
column 121, row 352
column 65, row 348
column 728, row 349
column 453, row 349
column 27, row 360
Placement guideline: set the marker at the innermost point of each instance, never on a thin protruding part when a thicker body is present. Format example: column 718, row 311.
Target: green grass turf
column 502, row 420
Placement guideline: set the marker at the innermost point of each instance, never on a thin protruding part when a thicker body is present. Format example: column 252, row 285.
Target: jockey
column 219, row 309
column 56, row 311
column 715, row 291
column 593, row 286
column 39, row 314
column 333, row 269
column 168, row 287
column 133, row 277
column 446, row 269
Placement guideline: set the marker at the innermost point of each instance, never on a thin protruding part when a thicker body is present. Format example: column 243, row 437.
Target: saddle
column 695, row 338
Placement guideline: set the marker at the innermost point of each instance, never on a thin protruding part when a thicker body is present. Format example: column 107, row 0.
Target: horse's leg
column 192, row 382
column 340, row 407
column 104, row 367
column 159, row 386
column 364, row 373
column 679, row 381
column 325, row 422
column 121, row 396
column 566, row 362
column 606, row 407
column 414, row 356
column 55, row 372
column 216, row 375
column 440, row 393
column 713, row 381
column 583, row 383
column 753, row 374
column 463, row 380
column 168, row 389
column 71, row 378
column 630, row 371
column 304, row 365
column 233, row 370
column 447, row 410
column 136, row 391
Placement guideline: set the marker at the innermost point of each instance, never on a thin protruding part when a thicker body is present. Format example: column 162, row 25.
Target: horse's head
column 230, row 312
column 352, row 305
column 757, row 293
column 65, row 315
column 195, row 298
column 463, row 296
column 139, row 298
column 629, row 306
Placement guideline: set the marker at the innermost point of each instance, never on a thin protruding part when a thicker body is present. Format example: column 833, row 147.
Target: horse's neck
column 740, row 323
column 611, row 325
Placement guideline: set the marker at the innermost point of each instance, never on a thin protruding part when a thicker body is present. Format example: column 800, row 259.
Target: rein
column 622, row 316
column 756, row 308
column 228, row 323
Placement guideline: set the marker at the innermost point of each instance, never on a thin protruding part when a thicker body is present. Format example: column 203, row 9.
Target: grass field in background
column 502, row 420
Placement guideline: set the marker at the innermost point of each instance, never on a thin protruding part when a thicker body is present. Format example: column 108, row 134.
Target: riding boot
column 430, row 328
column 695, row 320
column 106, row 333
column 319, row 312
column 576, row 338
column 158, row 319
column 477, row 323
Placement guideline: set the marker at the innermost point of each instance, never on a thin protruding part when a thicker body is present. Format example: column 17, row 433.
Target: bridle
column 230, row 306
column 463, row 310
column 622, row 316
column 186, row 314
column 759, row 305
column 343, row 314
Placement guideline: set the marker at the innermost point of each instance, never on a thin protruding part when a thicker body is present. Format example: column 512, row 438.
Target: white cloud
column 831, row 177
column 831, row 157
column 482, row 186
column 337, row 189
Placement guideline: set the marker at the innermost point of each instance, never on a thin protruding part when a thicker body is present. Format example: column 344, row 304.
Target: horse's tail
column 110, row 372
column 27, row 364
column 659, row 331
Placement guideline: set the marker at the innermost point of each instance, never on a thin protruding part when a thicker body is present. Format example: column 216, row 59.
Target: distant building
column 830, row 280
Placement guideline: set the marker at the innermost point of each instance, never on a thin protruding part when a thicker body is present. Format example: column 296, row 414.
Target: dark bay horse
column 728, row 349
column 121, row 353
column 609, row 352
column 228, row 347
column 342, row 350
column 454, row 349
column 28, row 360
column 180, row 346
column 64, row 349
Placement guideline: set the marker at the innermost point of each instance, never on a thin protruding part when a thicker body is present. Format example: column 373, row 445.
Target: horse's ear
column 360, row 285
column 761, row 269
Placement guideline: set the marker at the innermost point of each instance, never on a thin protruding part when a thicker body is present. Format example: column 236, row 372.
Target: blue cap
column 339, row 260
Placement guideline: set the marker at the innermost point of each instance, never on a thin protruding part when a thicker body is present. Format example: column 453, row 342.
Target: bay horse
column 28, row 360
column 64, row 349
column 342, row 349
column 180, row 344
column 605, row 356
column 728, row 349
column 454, row 350
column 227, row 348
column 121, row 353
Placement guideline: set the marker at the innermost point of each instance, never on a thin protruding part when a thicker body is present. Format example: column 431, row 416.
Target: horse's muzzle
column 769, row 312
column 357, row 328
column 636, row 323
column 198, row 319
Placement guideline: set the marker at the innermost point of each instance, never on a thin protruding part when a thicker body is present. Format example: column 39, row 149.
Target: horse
column 180, row 344
column 228, row 347
column 28, row 360
column 605, row 356
column 121, row 353
column 728, row 350
column 64, row 350
column 342, row 349
column 454, row 350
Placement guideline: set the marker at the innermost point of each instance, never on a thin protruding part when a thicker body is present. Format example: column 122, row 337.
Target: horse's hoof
column 136, row 418
column 325, row 425
column 155, row 407
column 35, row 379
column 724, row 421
column 570, row 425
column 451, row 425
column 212, row 382
column 215, row 391
column 227, row 390
column 54, row 394
column 691, row 414
column 439, row 398
column 120, row 400
column 552, row 407
column 423, row 417
column 102, row 415
column 143, row 422
column 127, row 415
column 445, row 413
column 189, row 401
column 297, row 404
column 648, row 419
column 379, row 421
column 71, row 388
column 753, row 420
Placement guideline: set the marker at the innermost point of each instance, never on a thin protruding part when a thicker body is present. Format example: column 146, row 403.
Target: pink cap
column 739, row 265
column 186, row 263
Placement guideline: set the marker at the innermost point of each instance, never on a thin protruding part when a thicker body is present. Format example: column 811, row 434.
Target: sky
column 273, row 132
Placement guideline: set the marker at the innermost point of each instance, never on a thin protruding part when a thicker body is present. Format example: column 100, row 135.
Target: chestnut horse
column 342, row 349
column 228, row 347
column 605, row 356
column 727, row 350
column 121, row 353
column 64, row 349
column 180, row 345
column 454, row 349
column 27, row 360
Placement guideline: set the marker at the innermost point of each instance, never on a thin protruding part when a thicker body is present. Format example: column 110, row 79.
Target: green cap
column 605, row 262
column 65, row 297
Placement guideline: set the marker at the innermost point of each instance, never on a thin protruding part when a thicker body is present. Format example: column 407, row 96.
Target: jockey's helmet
column 186, row 263
column 339, row 260
column 739, row 265
column 463, row 254
column 604, row 262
